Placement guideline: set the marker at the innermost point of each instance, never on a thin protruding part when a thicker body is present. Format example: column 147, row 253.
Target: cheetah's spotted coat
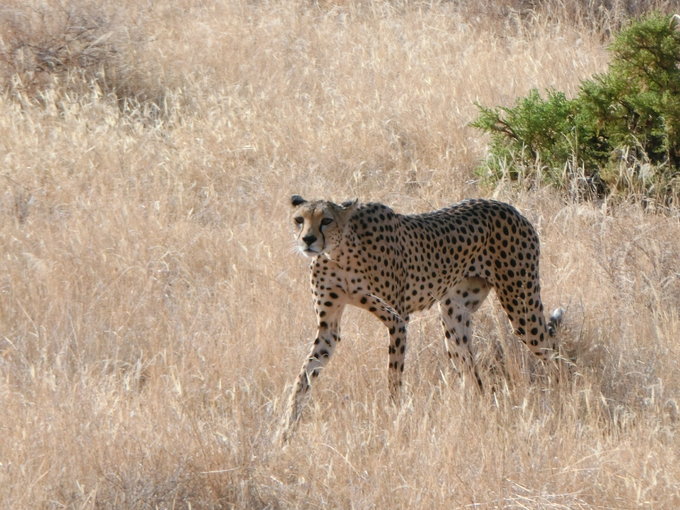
column 393, row 265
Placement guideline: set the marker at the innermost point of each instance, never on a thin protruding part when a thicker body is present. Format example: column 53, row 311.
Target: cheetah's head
column 319, row 225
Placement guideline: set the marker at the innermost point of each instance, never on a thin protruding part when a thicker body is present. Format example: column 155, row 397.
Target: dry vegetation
column 153, row 313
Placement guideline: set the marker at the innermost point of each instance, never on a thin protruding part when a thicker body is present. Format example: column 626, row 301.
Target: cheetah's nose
column 309, row 239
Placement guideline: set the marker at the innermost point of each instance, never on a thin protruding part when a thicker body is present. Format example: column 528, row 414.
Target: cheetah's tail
column 555, row 320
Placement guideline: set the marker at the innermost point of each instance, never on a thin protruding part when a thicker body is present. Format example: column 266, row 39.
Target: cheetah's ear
column 347, row 204
column 296, row 200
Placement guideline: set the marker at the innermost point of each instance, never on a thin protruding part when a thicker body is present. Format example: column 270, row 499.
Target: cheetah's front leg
column 396, row 325
column 328, row 335
column 330, row 300
column 396, row 357
column 322, row 349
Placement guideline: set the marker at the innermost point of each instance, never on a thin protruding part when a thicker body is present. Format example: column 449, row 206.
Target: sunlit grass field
column 154, row 313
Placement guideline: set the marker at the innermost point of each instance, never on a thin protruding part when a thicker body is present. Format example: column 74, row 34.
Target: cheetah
column 366, row 255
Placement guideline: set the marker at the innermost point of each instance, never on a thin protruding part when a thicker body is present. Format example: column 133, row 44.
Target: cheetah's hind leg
column 456, row 308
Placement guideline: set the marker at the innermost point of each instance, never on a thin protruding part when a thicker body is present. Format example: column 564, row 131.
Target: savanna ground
column 153, row 313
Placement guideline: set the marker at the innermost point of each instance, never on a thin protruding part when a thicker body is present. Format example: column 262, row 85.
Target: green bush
column 620, row 136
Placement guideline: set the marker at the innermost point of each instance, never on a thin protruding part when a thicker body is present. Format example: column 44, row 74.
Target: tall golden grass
column 153, row 313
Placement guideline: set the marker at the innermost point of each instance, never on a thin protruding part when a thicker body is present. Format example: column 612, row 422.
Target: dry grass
column 152, row 311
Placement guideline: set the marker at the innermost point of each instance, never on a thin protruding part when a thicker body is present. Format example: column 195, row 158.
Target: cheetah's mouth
column 309, row 251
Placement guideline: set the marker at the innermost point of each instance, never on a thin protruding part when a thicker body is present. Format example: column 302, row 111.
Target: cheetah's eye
column 326, row 221
column 299, row 220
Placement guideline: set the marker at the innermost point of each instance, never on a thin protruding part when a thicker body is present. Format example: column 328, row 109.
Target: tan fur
column 394, row 265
